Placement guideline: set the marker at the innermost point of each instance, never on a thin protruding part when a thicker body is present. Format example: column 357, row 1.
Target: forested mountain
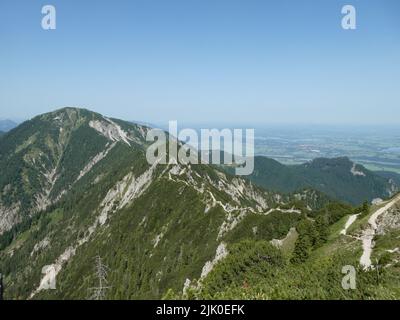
column 339, row 178
column 76, row 185
column 45, row 157
column 77, row 195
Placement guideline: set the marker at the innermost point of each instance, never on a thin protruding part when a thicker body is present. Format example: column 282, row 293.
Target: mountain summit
column 46, row 156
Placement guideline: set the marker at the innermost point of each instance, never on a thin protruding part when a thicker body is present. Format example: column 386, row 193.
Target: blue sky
column 229, row 61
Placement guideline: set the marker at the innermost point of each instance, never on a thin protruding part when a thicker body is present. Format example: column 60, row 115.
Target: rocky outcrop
column 110, row 130
column 9, row 216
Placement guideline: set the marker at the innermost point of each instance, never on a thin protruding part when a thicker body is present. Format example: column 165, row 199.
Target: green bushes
column 364, row 210
column 245, row 259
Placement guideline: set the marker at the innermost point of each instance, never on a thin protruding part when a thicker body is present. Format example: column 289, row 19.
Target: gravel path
column 369, row 234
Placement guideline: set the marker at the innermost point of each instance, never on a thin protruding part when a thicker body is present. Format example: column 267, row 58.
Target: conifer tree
column 302, row 249
column 321, row 224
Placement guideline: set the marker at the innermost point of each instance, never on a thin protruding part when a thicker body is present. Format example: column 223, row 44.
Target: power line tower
column 101, row 272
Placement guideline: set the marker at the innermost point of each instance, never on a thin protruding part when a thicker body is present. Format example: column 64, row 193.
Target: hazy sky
column 203, row 60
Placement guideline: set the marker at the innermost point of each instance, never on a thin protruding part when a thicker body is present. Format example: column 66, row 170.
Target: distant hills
column 395, row 177
column 339, row 178
column 7, row 125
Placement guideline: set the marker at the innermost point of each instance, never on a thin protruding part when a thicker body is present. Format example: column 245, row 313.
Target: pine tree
column 302, row 249
column 321, row 224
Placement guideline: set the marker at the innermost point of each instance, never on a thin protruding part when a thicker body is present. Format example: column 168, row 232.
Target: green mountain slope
column 77, row 186
column 42, row 159
column 312, row 262
column 339, row 178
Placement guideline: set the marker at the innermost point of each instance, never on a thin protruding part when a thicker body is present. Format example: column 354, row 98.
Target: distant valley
column 374, row 147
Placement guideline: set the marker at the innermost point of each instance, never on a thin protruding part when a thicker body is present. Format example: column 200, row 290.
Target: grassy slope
column 243, row 275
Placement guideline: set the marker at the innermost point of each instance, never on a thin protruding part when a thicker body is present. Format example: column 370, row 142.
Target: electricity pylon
column 101, row 272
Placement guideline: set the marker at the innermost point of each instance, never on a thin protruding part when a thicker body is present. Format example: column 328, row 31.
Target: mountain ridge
column 86, row 194
column 52, row 140
column 83, row 188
